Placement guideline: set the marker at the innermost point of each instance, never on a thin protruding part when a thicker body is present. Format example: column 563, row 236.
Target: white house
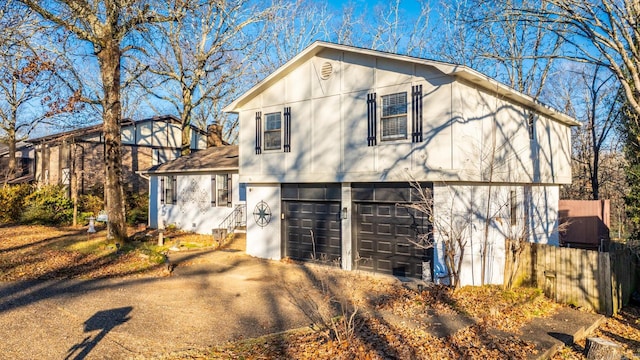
column 329, row 142
column 198, row 192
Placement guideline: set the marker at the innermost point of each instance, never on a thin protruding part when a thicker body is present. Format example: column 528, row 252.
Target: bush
column 12, row 201
column 90, row 204
column 137, row 208
column 48, row 205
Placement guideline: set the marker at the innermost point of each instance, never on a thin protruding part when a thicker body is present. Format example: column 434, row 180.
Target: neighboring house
column 145, row 143
column 197, row 192
column 24, row 164
column 330, row 140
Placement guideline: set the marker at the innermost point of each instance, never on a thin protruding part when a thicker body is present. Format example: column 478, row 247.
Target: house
column 24, row 164
column 197, row 192
column 145, row 143
column 331, row 142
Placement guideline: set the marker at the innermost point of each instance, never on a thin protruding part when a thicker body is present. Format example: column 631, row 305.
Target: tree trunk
column 109, row 57
column 186, row 135
column 11, row 171
column 601, row 349
column 185, row 120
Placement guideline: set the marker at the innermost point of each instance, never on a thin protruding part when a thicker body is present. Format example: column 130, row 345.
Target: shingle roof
column 209, row 159
column 98, row 128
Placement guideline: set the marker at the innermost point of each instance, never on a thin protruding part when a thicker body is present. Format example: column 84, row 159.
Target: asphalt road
column 221, row 296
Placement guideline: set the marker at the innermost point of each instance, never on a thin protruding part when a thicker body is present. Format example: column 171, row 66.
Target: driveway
column 209, row 298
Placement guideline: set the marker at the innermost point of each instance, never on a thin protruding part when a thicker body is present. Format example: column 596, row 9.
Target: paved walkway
column 219, row 296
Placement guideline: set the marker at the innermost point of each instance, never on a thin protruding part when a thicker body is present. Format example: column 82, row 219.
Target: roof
column 20, row 145
column 217, row 158
column 87, row 130
column 457, row 71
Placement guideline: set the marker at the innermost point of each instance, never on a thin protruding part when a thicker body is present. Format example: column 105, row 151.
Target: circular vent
column 326, row 71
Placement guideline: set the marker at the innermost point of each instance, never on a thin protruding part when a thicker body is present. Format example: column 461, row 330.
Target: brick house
column 145, row 143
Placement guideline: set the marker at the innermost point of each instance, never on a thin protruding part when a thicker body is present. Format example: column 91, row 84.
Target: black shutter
column 214, row 192
column 371, row 115
column 259, row 132
column 287, row 129
column 416, row 114
column 229, row 191
column 174, row 190
column 162, row 190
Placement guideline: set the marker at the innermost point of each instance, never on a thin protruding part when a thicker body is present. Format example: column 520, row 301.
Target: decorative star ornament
column 262, row 214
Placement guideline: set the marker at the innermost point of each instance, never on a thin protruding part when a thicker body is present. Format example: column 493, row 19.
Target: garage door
column 311, row 223
column 384, row 231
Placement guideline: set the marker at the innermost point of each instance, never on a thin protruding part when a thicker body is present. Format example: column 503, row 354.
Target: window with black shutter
column 169, row 187
column 221, row 194
column 273, row 131
column 393, row 122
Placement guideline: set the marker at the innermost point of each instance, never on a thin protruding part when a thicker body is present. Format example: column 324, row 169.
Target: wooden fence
column 602, row 281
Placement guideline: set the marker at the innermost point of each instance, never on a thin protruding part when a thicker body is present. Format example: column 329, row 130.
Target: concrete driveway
column 210, row 298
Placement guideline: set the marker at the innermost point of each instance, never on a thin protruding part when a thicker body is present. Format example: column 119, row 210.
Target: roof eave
column 199, row 170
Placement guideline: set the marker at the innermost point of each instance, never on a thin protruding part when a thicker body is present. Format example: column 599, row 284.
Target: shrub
column 12, row 201
column 48, row 205
column 90, row 204
column 137, row 208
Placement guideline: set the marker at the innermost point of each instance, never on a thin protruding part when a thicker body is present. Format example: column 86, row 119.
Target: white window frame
column 221, row 192
column 275, row 133
column 392, row 111
column 170, row 189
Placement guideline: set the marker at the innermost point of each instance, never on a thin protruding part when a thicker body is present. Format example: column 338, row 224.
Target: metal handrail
column 235, row 219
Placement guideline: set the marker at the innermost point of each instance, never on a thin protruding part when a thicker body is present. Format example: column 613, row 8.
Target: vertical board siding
column 601, row 281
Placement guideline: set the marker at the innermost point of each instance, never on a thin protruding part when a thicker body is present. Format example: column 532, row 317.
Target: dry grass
column 44, row 252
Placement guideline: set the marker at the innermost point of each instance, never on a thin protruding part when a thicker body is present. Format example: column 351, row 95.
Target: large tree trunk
column 186, row 135
column 109, row 57
column 185, row 119
column 11, row 171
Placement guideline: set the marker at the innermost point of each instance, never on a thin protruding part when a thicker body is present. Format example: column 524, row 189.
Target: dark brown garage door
column 312, row 224
column 384, row 230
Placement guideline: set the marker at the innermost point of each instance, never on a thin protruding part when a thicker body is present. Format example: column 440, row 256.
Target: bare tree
column 106, row 25
column 590, row 93
column 199, row 60
column 449, row 228
column 518, row 53
column 291, row 27
column 30, row 74
column 600, row 32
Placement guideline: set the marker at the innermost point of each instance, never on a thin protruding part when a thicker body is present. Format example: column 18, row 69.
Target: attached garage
column 383, row 230
column 312, row 221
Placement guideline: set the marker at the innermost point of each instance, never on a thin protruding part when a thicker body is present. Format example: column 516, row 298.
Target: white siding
column 128, row 135
column 467, row 206
column 192, row 211
column 469, row 133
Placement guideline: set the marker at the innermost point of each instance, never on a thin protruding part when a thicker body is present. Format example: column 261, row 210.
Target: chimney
column 214, row 135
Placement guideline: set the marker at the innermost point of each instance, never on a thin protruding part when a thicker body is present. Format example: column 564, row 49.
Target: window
column 394, row 116
column 169, row 190
column 272, row 131
column 221, row 190
column 531, row 125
